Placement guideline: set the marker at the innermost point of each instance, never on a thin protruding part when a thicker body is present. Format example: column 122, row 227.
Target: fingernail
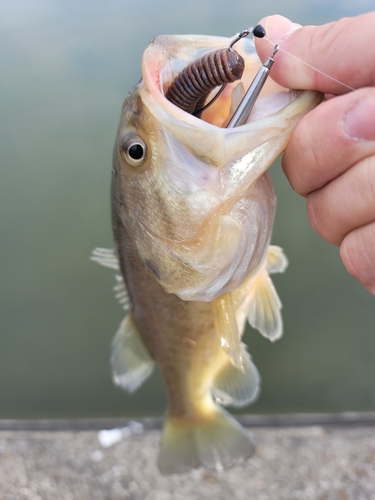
column 359, row 123
column 279, row 28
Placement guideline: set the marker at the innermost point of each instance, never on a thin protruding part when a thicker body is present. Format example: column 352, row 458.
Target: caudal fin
column 214, row 444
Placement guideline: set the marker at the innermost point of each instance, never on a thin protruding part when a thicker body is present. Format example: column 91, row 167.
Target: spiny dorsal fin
column 233, row 387
column 121, row 293
column 108, row 257
column 130, row 360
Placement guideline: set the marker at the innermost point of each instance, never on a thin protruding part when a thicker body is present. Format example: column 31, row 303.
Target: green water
column 65, row 68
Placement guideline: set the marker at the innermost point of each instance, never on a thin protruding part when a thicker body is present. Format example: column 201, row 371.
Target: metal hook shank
column 240, row 35
column 243, row 111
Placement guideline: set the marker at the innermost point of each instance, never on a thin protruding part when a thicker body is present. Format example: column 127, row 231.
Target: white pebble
column 110, row 437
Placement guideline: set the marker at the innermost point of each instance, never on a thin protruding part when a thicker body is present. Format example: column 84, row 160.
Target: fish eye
column 134, row 151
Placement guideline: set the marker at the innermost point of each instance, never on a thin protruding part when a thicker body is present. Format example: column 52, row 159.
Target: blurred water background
column 65, row 68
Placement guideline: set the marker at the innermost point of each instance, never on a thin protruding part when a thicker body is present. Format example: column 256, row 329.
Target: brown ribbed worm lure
column 190, row 89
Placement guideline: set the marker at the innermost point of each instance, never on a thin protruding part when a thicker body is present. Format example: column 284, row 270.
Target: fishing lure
column 192, row 86
column 190, row 89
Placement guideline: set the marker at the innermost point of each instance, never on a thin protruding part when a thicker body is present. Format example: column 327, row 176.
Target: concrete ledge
column 283, row 420
column 319, row 462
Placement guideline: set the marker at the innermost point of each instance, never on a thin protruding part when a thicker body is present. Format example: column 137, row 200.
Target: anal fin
column 130, row 360
column 233, row 387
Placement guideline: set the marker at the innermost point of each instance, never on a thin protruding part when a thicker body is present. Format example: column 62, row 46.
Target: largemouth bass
column 192, row 213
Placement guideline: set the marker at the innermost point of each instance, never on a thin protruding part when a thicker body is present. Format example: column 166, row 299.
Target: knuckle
column 301, row 156
column 322, row 216
column 357, row 252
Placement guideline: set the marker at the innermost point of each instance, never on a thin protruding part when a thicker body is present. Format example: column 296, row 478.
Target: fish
column 192, row 214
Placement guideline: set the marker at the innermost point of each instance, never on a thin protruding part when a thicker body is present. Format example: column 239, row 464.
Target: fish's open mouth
column 272, row 99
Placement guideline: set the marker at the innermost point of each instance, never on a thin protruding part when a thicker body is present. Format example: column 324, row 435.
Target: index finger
column 344, row 50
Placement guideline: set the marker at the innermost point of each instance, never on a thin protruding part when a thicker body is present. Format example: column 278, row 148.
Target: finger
column 344, row 49
column 345, row 204
column 358, row 255
column 330, row 139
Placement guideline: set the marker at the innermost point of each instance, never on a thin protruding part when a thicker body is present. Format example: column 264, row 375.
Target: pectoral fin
column 233, row 387
column 264, row 307
column 276, row 261
column 130, row 360
column 227, row 330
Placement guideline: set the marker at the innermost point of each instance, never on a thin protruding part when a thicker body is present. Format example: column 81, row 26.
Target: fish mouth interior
column 272, row 99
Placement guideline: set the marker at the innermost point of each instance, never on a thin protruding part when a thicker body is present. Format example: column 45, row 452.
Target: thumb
column 344, row 50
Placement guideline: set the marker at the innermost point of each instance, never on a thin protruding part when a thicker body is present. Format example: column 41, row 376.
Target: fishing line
column 309, row 65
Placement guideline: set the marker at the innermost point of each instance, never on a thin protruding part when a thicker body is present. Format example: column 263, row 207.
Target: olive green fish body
column 179, row 334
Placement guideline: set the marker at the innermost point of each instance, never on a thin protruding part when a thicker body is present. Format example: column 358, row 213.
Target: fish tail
column 215, row 443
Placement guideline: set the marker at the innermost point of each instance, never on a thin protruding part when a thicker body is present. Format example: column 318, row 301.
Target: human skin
column 330, row 158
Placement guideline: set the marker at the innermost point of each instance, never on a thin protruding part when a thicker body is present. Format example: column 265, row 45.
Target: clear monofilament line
column 310, row 66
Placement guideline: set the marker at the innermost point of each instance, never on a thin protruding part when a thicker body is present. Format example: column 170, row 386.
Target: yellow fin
column 276, row 261
column 264, row 307
column 233, row 387
column 214, row 444
column 130, row 360
column 226, row 327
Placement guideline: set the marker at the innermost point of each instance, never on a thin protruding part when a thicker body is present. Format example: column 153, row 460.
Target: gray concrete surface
column 315, row 462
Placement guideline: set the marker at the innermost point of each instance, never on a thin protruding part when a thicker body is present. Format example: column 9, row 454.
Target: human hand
column 330, row 158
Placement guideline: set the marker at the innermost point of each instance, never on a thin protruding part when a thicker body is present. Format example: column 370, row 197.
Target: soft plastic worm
column 191, row 87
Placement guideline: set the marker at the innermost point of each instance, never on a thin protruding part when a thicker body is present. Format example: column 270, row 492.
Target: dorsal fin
column 121, row 293
column 107, row 257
